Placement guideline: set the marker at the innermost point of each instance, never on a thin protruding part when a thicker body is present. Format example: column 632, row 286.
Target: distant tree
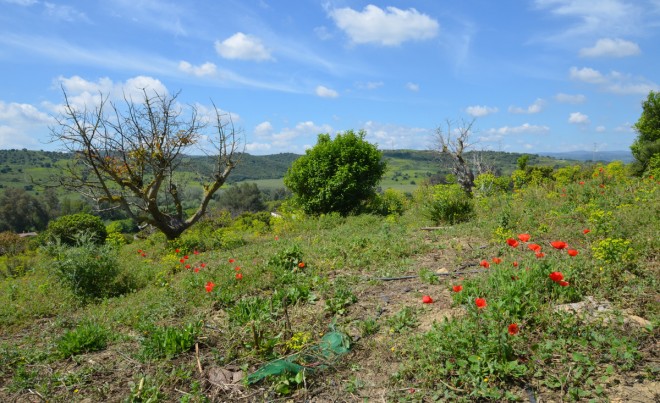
column 454, row 142
column 241, row 198
column 647, row 143
column 21, row 212
column 336, row 175
column 128, row 156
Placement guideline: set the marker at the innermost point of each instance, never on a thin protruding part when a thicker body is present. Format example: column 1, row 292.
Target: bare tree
column 454, row 142
column 127, row 156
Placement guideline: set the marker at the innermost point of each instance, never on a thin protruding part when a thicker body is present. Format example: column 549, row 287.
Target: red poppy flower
column 139, row 251
column 277, row 238
column 427, row 299
column 301, row 265
column 484, row 263
column 187, row 266
column 177, row 250
column 524, row 237
column 186, row 257
column 564, row 283
column 513, row 329
column 515, row 264
column 144, row 255
column 239, row 276
column 237, row 268
column 514, row 278
column 196, row 269
column 581, row 182
column 195, row 252
column 480, row 302
column 458, row 288
column 556, row 276
column 182, row 260
column 586, row 231
column 497, row 260
column 558, row 244
column 535, row 247
column 231, row 260
column 203, row 264
column 539, row 255
column 209, row 286
column 512, row 242
column 572, row 252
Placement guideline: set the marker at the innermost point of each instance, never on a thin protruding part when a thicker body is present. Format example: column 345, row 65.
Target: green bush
column 336, row 175
column 68, row 227
column 389, row 202
column 90, row 270
column 11, row 243
column 168, row 342
column 450, row 204
column 87, row 337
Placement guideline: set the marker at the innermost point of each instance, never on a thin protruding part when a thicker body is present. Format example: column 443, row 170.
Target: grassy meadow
column 337, row 308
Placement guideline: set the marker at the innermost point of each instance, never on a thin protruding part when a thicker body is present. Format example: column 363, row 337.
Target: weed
column 168, row 342
column 403, row 320
column 87, row 337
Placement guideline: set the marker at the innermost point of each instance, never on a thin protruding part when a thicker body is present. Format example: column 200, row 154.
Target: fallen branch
column 437, row 274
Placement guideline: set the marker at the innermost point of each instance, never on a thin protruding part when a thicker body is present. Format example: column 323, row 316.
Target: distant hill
column 603, row 156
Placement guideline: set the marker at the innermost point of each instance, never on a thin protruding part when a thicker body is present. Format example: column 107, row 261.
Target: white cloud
column 600, row 129
column 243, row 47
column 207, row 114
column 614, row 82
column 625, row 128
column 578, row 118
column 607, row 47
column 392, row 136
column 389, row 27
column 570, row 99
column 536, row 107
column 412, row 87
column 370, row 85
column 21, row 125
column 88, row 94
column 322, row 33
column 206, row 69
column 525, row 128
column 479, row 111
column 609, row 17
column 263, row 129
column 258, row 148
column 64, row 13
column 325, row 92
column 23, row 3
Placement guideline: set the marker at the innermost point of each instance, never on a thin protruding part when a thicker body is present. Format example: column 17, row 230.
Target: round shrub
column 450, row 204
column 69, row 227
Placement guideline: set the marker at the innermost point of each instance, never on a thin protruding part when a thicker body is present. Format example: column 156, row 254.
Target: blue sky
column 538, row 75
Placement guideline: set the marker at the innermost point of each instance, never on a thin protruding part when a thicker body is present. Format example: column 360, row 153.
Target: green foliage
column 403, row 320
column 168, row 342
column 90, row 270
column 336, row 175
column 341, row 299
column 21, row 212
column 647, row 143
column 487, row 184
column 450, row 204
column 240, row 198
column 287, row 259
column 68, row 227
column 11, row 244
column 87, row 337
column 615, row 250
column 390, row 202
column 566, row 175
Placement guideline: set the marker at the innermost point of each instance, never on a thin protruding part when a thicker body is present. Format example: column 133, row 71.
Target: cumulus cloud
column 570, row 99
column 536, row 107
column 206, row 69
column 479, row 111
column 601, row 129
column 578, row 118
column 243, row 47
column 263, row 129
column 325, row 92
column 290, row 139
column 83, row 93
column 412, row 87
column 607, row 47
column 614, row 82
column 525, row 128
column 392, row 136
column 389, row 27
column 21, row 125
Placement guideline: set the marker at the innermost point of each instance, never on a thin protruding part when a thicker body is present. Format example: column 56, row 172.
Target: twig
column 199, row 364
column 437, row 274
column 34, row 392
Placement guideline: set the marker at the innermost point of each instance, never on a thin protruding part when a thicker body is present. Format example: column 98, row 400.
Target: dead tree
column 454, row 142
column 127, row 155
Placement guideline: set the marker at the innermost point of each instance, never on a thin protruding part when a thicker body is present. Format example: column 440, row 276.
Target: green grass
column 65, row 349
